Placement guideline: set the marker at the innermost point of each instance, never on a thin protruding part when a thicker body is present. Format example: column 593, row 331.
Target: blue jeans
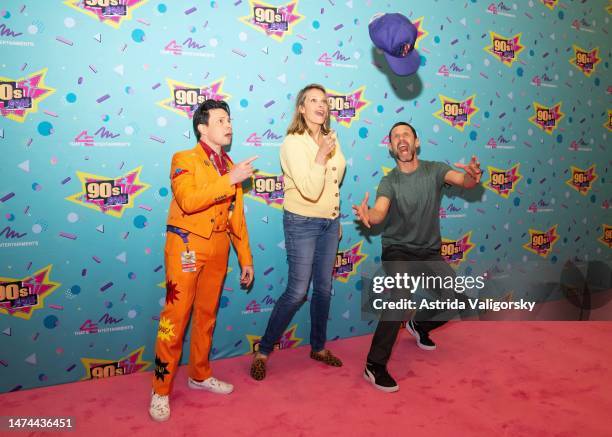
column 312, row 245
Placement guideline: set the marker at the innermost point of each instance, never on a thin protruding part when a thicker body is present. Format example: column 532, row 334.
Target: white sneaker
column 160, row 407
column 211, row 384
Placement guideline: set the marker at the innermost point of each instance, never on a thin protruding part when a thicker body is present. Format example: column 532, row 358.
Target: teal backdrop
column 97, row 95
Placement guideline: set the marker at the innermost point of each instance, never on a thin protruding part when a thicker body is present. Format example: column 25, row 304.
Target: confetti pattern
column 96, row 99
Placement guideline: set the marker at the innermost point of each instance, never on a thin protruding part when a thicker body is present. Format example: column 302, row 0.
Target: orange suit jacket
column 199, row 193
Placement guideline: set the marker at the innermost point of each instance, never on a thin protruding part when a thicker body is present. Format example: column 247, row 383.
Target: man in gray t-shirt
column 409, row 199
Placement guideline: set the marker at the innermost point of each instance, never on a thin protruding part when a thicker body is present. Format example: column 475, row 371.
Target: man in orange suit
column 206, row 212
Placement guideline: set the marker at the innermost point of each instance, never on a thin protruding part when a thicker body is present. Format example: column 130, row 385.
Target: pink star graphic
column 37, row 285
column 288, row 17
column 30, row 89
column 114, row 18
column 127, row 187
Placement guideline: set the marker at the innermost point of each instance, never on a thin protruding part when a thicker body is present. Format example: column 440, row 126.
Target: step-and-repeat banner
column 96, row 96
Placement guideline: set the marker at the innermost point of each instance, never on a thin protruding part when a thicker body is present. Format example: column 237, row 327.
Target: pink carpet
column 486, row 379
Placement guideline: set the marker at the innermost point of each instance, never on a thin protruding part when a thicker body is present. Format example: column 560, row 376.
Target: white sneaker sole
column 194, row 386
column 416, row 335
column 369, row 377
column 159, row 419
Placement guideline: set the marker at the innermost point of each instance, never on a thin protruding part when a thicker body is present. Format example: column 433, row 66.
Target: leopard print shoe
column 258, row 368
column 327, row 357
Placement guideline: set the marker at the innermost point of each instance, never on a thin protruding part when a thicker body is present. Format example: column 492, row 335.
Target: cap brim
column 404, row 66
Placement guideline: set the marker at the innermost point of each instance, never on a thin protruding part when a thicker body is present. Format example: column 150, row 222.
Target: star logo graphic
column 582, row 180
column 21, row 297
column 585, row 60
column 455, row 252
column 110, row 12
column 347, row 262
column 421, row 33
column 606, row 237
column 455, row 113
column 109, row 195
column 96, row 368
column 505, row 49
column 550, row 4
column 20, row 97
column 345, row 108
column 165, row 332
column 503, row 182
column 541, row 242
column 547, row 118
column 268, row 189
column 185, row 98
column 274, row 21
column 172, row 292
column 161, row 369
column 286, row 341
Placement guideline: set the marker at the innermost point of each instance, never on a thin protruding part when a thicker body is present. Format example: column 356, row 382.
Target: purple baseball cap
column 395, row 35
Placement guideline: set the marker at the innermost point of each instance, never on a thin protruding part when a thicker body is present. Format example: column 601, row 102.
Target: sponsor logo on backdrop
column 583, row 25
column 585, row 60
column 185, row 98
column 547, row 118
column 582, row 180
column 20, row 97
column 347, row 262
column 455, row 252
column 102, row 137
column 336, row 59
column 268, row 188
column 451, row 211
column 109, row 195
column 104, row 324
column 10, row 237
column 346, row 107
column 97, row 368
column 501, row 143
column 608, row 123
column 275, row 21
column 265, row 305
column 540, row 206
column 188, row 47
column 505, row 49
column 267, row 139
column 606, row 237
column 543, row 80
column 111, row 12
column 10, row 37
column 542, row 242
column 500, row 9
column 287, row 340
column 21, row 297
column 578, row 146
column 453, row 70
column 457, row 114
column 503, row 182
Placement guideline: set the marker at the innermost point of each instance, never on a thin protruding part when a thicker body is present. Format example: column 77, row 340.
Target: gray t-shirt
column 413, row 219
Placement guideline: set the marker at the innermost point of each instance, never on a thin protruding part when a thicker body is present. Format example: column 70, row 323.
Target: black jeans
column 429, row 262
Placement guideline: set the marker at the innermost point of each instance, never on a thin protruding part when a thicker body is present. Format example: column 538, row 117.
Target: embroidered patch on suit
column 172, row 292
column 161, row 368
column 178, row 172
column 165, row 332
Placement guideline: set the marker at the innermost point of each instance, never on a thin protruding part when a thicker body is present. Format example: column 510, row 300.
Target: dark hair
column 201, row 115
column 402, row 123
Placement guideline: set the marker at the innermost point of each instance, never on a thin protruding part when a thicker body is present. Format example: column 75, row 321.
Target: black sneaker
column 380, row 378
column 422, row 337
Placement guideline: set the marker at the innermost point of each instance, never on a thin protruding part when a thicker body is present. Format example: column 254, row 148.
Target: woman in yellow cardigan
column 313, row 167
